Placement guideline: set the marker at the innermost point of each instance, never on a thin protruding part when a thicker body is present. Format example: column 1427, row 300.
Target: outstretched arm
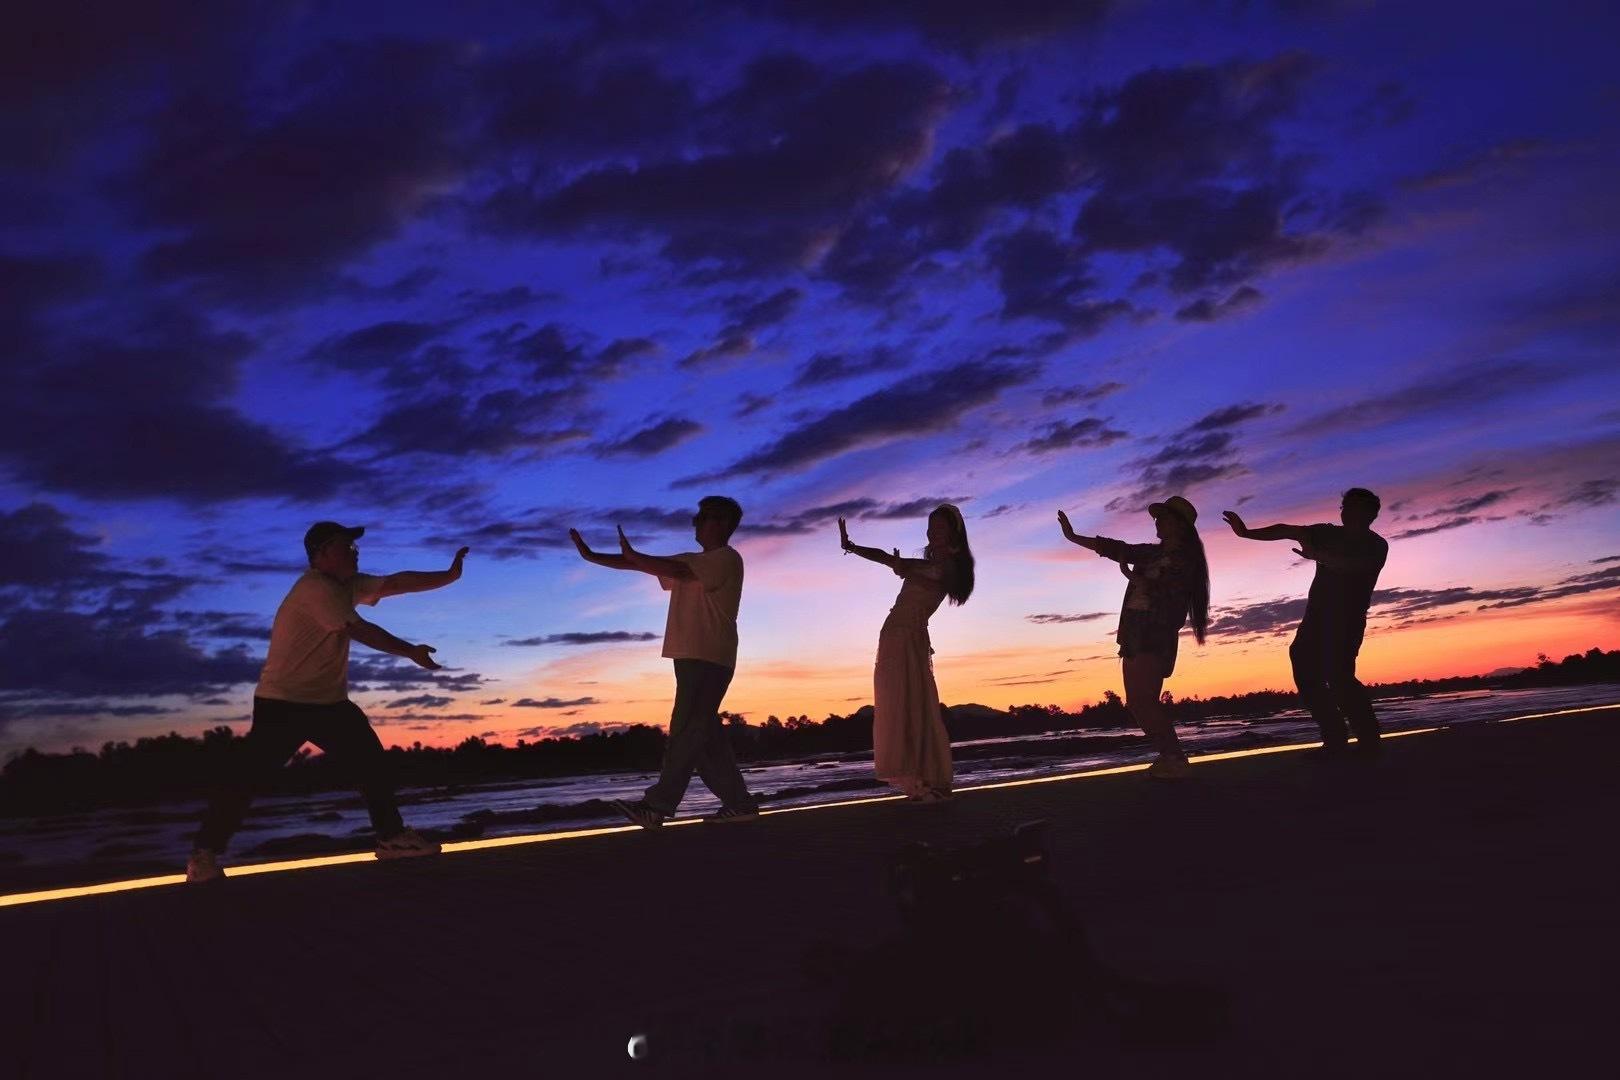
column 1295, row 533
column 409, row 581
column 877, row 555
column 613, row 562
column 1117, row 550
column 1087, row 542
column 656, row 565
column 374, row 636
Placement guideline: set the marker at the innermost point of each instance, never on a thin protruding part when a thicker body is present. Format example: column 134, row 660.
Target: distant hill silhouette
column 165, row 768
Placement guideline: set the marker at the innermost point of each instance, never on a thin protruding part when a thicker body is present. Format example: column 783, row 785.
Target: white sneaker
column 406, row 845
column 202, row 866
column 1170, row 767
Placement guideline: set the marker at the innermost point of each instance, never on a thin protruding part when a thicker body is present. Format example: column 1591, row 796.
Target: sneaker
column 1170, row 767
column 203, row 866
column 638, row 813
column 406, row 845
column 734, row 813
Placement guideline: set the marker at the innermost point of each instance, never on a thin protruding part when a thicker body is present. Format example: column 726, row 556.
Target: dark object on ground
column 990, row 960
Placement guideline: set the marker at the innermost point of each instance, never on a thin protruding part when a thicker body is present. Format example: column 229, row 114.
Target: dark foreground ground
column 1449, row 910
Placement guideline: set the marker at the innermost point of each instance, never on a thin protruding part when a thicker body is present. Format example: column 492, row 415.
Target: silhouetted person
column 910, row 747
column 1348, row 560
column 1169, row 581
column 700, row 635
column 303, row 693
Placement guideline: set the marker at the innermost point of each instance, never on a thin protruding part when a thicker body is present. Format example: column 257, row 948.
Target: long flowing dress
column 910, row 744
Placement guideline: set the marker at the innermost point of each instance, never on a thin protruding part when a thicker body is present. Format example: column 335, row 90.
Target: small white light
column 637, row 1047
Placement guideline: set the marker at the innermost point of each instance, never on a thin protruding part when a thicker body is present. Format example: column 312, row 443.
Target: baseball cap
column 324, row 532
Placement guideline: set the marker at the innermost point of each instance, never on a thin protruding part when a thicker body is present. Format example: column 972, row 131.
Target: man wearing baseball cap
column 303, row 693
column 1349, row 558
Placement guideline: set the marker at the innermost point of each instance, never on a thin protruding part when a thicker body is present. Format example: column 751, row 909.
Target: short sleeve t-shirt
column 308, row 660
column 1341, row 594
column 702, row 622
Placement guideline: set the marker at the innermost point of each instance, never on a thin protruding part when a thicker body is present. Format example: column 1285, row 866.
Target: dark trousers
column 279, row 729
column 1324, row 659
column 698, row 741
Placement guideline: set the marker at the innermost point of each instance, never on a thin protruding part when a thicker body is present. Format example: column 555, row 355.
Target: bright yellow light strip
column 14, row 899
column 90, row 890
column 1560, row 712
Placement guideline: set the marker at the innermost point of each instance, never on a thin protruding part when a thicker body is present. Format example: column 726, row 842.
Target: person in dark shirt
column 1348, row 560
column 1169, row 584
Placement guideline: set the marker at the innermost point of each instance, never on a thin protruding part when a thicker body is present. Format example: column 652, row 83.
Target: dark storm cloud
column 488, row 424
column 651, row 440
column 1476, row 502
column 1051, row 619
column 229, row 625
column 502, row 301
column 911, row 508
column 1042, row 277
column 1076, row 435
column 74, row 653
column 1466, row 386
column 733, row 347
column 1221, row 236
column 1277, row 616
column 268, row 196
column 1483, row 164
column 1205, row 309
column 371, row 672
column 419, row 701
column 1181, row 162
column 576, row 637
column 379, row 345
column 1204, row 451
column 1389, row 104
column 555, row 353
column 1597, row 492
column 575, row 730
column 1079, row 394
column 557, row 100
column 967, row 25
column 38, row 548
column 1444, row 526
column 66, row 69
column 750, row 316
column 826, row 367
column 1596, row 581
column 546, row 529
column 918, row 405
column 146, row 409
column 1233, row 415
column 552, row 703
column 798, row 148
column 406, row 286
column 1186, row 162
column 30, row 286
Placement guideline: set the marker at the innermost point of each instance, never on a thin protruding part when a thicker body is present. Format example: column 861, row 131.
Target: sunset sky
column 478, row 277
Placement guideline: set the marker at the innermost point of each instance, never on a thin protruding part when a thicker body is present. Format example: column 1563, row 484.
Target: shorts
column 1142, row 633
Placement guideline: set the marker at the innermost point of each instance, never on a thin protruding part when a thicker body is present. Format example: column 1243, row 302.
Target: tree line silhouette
column 164, row 768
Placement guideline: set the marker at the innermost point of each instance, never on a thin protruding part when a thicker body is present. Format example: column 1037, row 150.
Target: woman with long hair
column 1169, row 584
column 911, row 749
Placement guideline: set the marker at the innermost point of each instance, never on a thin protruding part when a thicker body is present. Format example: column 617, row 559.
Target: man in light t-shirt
column 700, row 635
column 303, row 693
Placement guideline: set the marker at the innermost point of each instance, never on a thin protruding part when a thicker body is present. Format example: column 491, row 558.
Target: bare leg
column 1144, row 680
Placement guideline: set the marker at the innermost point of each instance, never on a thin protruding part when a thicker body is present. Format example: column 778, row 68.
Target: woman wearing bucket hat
column 1169, row 581
column 911, row 749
